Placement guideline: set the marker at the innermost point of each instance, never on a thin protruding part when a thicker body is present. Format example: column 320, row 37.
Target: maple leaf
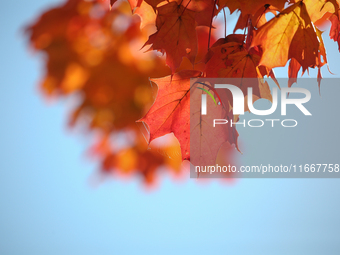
column 321, row 60
column 289, row 34
column 233, row 60
column 171, row 110
column 176, row 34
column 219, row 51
column 174, row 111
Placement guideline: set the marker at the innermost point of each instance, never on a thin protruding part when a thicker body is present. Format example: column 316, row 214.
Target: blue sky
column 49, row 207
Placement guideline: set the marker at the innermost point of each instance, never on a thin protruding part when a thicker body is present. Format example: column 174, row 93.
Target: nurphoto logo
column 238, row 99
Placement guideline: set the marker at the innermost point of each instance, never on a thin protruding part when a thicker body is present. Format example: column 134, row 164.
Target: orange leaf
column 232, row 60
column 171, row 110
column 289, row 34
column 176, row 34
column 219, row 51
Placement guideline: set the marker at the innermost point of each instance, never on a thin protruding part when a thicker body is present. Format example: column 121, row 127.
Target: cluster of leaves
column 92, row 49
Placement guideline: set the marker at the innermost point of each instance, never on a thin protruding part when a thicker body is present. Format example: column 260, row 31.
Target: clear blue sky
column 49, row 207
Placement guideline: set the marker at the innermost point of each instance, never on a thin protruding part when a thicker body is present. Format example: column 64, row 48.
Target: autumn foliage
column 111, row 55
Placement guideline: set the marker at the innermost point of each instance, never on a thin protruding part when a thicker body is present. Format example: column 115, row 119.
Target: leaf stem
column 212, row 17
column 225, row 23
